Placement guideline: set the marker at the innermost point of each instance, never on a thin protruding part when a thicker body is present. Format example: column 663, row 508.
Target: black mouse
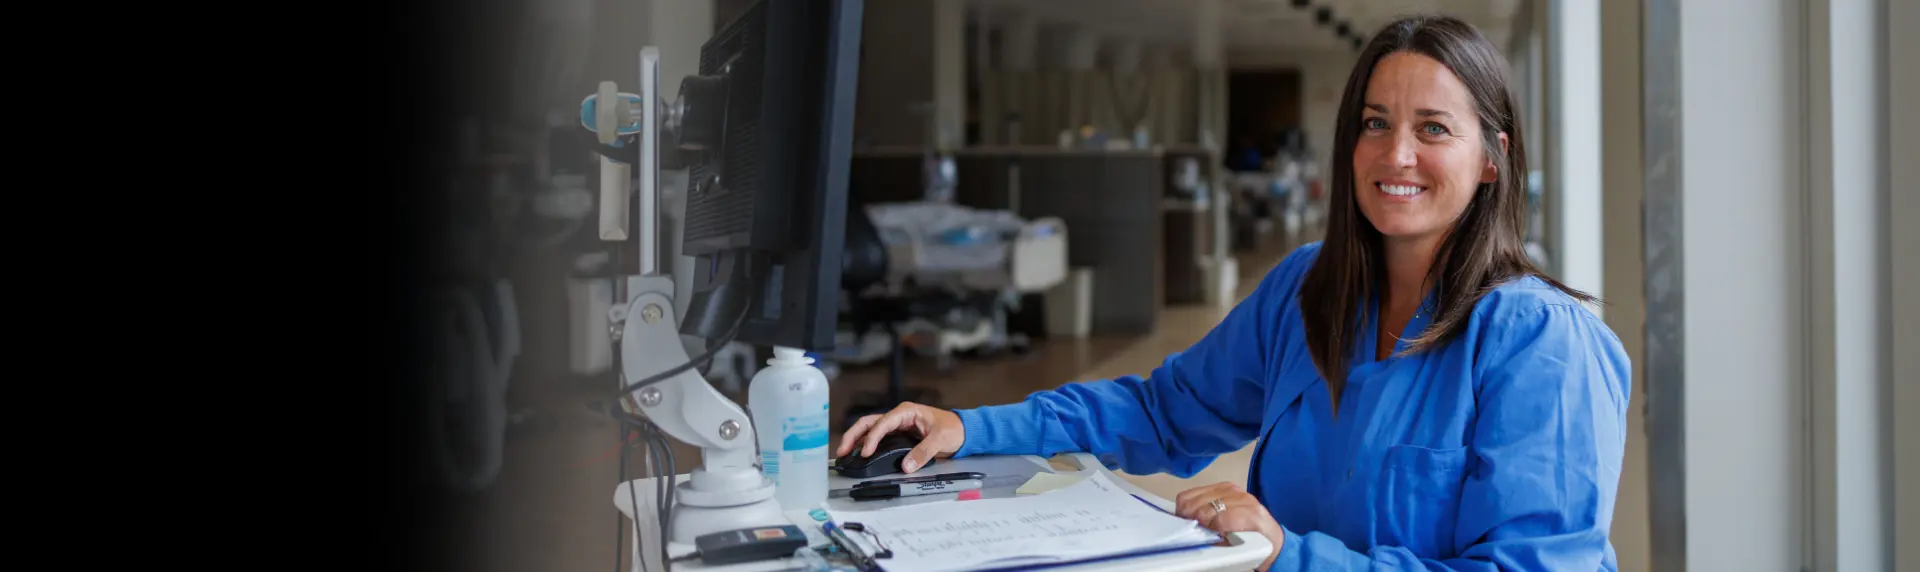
column 886, row 458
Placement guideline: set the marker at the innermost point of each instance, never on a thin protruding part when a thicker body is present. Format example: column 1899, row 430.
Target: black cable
column 660, row 473
column 662, row 477
column 673, row 490
column 633, row 501
column 697, row 361
column 664, row 485
column 665, row 501
column 660, row 456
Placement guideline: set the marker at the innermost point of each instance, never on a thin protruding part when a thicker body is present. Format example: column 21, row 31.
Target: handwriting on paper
column 1087, row 517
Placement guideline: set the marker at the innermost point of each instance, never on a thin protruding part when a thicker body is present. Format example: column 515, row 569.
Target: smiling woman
column 1434, row 200
column 1420, row 396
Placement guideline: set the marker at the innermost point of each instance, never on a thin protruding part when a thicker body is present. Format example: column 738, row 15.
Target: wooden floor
column 552, row 506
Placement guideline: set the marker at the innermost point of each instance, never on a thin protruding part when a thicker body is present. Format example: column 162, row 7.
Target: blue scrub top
column 1501, row 449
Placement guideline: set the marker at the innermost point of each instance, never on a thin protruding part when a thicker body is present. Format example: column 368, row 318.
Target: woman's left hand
column 1236, row 511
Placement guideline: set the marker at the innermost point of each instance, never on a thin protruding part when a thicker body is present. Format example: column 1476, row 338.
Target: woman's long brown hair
column 1485, row 248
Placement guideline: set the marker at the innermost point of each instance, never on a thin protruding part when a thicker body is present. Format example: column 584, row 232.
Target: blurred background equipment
column 519, row 190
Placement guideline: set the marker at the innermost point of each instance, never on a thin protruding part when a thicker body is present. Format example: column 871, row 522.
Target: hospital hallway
column 552, row 506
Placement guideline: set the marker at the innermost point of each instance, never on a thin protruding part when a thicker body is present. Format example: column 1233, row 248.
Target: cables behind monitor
column 661, row 465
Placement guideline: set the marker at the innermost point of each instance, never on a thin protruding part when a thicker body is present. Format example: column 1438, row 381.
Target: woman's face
column 1420, row 155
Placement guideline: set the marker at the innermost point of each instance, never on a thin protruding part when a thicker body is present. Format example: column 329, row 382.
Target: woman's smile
column 1400, row 191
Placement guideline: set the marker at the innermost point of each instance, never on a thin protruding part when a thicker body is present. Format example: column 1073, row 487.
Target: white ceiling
column 1251, row 25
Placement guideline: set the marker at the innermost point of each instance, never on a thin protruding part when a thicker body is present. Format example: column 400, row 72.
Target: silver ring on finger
column 1218, row 507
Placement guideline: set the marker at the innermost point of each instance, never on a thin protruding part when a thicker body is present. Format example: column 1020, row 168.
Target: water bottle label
column 806, row 432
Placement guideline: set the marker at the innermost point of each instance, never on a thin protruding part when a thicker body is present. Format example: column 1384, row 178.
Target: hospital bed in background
column 955, row 273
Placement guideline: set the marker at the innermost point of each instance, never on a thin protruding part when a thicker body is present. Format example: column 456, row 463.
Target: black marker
column 913, row 489
column 922, row 479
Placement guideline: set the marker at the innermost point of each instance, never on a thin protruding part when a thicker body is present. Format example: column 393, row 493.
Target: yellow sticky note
column 1043, row 482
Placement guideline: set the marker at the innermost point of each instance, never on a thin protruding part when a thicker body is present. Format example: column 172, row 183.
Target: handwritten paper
column 1045, row 482
column 1090, row 518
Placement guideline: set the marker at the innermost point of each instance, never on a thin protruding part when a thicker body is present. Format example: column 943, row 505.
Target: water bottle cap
column 792, row 356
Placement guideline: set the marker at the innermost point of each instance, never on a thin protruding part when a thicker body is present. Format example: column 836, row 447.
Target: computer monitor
column 766, row 126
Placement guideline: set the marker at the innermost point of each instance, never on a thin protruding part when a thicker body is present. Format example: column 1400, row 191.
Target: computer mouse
column 886, row 458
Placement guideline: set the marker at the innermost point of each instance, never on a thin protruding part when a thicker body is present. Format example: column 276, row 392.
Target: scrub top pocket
column 1418, row 495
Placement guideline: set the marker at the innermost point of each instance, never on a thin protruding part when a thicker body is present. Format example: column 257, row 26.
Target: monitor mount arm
column 728, row 491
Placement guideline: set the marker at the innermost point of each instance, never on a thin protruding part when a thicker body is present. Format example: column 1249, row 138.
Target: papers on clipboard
column 1093, row 519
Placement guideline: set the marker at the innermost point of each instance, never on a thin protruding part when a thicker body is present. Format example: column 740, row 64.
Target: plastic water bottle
column 788, row 400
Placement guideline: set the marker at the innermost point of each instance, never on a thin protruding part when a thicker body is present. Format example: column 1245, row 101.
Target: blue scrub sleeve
column 1549, row 441
column 1197, row 405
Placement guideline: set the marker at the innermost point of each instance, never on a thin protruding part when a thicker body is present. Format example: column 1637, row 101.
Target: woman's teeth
column 1401, row 190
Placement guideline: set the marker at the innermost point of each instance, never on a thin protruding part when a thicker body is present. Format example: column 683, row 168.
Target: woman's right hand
column 940, row 433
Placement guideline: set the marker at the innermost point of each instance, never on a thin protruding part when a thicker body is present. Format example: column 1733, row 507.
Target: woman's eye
column 1374, row 123
column 1435, row 129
